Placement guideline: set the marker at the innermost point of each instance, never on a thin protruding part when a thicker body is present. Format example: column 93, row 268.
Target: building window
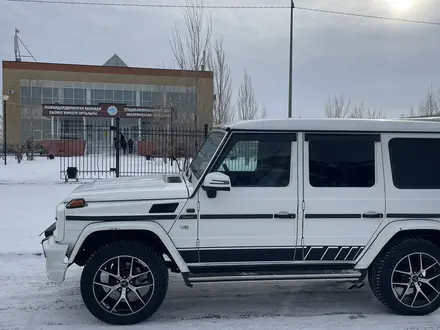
column 26, row 95
column 415, row 163
column 68, row 96
column 98, row 96
column 341, row 162
column 36, row 95
column 182, row 102
column 152, row 99
column 79, row 96
column 129, row 98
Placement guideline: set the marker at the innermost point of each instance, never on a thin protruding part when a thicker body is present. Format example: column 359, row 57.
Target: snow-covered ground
column 28, row 195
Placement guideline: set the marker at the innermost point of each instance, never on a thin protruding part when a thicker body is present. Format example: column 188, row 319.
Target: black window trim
column 328, row 136
column 335, row 136
column 251, row 136
column 406, row 137
column 218, row 152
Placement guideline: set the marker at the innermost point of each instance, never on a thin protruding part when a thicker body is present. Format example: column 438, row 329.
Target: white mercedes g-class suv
column 288, row 199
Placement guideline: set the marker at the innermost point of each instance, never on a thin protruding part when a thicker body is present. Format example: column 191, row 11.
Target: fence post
column 205, row 130
column 117, row 142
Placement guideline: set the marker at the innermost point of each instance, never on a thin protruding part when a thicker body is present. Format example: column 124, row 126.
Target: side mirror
column 214, row 182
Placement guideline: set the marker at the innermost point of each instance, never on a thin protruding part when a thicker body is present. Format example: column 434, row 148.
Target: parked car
column 325, row 199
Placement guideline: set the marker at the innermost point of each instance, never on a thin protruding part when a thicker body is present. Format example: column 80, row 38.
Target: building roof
column 115, row 60
column 38, row 66
column 336, row 124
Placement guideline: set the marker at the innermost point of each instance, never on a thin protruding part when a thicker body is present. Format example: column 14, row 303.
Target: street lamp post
column 292, row 7
column 5, row 149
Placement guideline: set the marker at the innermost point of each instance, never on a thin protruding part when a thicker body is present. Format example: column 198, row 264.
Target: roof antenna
column 17, row 42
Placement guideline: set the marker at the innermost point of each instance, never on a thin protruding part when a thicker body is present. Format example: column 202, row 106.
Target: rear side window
column 415, row 163
column 341, row 161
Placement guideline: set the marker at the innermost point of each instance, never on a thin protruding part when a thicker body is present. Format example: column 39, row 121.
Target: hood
column 132, row 188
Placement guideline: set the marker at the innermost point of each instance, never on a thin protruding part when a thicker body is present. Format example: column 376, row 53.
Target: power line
column 92, row 3
column 370, row 16
column 114, row 4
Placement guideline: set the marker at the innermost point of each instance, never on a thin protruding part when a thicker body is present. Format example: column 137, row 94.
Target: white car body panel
column 119, row 225
column 387, row 232
column 150, row 187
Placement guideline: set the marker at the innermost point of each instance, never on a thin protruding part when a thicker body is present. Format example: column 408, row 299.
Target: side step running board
column 342, row 276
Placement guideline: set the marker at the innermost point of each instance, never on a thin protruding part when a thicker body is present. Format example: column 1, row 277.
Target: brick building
column 45, row 99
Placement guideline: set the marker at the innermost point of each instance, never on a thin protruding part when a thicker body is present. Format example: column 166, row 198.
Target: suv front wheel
column 406, row 278
column 124, row 282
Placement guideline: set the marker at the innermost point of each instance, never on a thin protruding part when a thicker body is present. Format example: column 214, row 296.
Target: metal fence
column 100, row 150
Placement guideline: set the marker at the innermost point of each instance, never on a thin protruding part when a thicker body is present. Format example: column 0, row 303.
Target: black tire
column 382, row 275
column 370, row 279
column 143, row 253
column 371, row 275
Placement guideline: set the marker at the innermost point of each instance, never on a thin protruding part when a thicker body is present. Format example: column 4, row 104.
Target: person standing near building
column 130, row 145
column 123, row 144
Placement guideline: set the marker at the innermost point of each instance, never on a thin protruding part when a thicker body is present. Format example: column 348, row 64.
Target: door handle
column 284, row 215
column 372, row 215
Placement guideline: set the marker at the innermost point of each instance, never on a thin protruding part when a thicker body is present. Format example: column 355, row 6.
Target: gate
column 99, row 150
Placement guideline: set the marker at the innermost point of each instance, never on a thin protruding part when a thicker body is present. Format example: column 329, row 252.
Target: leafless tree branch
column 191, row 50
column 223, row 111
column 263, row 112
column 246, row 102
column 431, row 104
column 340, row 108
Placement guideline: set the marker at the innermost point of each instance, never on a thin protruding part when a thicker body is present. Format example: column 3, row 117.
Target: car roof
column 335, row 124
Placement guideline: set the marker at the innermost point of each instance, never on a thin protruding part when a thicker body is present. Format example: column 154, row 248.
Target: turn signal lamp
column 76, row 203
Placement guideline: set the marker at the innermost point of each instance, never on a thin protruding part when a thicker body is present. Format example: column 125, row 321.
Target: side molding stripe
column 120, row 218
column 333, row 216
column 272, row 254
column 412, row 215
column 236, row 216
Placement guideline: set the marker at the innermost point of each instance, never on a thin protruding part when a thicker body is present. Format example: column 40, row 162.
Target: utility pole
column 5, row 148
column 292, row 7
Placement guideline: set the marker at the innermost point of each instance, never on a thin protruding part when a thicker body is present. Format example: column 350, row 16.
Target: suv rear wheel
column 124, row 283
column 406, row 278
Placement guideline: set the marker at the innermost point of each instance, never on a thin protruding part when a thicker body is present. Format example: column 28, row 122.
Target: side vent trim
column 174, row 179
column 164, row 208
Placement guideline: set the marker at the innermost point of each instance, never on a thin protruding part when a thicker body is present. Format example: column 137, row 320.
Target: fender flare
column 141, row 226
column 387, row 233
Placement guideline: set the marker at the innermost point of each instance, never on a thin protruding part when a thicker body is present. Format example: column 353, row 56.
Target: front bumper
column 55, row 254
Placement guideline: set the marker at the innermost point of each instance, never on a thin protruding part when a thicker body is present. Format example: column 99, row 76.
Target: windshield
column 206, row 152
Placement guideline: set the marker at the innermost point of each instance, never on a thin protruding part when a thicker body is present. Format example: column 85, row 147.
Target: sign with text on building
column 104, row 110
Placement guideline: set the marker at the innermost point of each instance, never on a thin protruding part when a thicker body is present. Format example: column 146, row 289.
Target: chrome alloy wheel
column 123, row 285
column 415, row 280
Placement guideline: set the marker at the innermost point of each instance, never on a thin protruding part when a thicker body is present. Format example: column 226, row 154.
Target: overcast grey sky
column 385, row 64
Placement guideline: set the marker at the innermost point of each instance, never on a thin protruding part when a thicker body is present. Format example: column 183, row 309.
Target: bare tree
column 431, row 104
column 32, row 117
column 31, row 114
column 412, row 112
column 223, row 111
column 247, row 105
column 338, row 107
column 362, row 111
column 192, row 48
column 263, row 112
